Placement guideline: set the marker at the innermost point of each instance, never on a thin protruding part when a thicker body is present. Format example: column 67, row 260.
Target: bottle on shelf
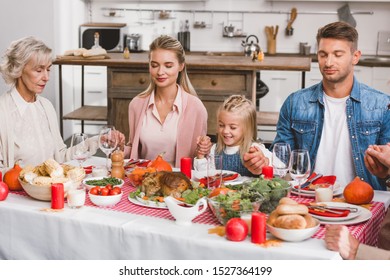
column 96, row 41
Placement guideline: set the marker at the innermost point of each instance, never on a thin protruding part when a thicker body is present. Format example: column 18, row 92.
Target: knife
column 308, row 182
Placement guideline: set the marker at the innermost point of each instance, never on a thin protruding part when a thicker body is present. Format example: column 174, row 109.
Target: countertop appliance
column 111, row 35
column 133, row 42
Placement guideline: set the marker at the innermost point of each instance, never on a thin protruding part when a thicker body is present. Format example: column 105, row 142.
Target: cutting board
column 72, row 57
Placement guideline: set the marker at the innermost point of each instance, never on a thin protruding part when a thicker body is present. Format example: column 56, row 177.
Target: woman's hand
column 377, row 160
column 203, row 146
column 338, row 238
column 120, row 139
column 254, row 160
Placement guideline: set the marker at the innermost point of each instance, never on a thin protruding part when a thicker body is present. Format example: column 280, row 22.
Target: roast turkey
column 165, row 183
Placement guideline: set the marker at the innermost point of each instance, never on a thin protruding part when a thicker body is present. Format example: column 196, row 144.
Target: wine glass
column 281, row 159
column 79, row 147
column 107, row 141
column 299, row 167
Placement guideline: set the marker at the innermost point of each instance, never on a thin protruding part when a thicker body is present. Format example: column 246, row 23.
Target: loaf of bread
column 272, row 217
column 294, row 221
column 286, row 209
column 310, row 221
column 94, row 52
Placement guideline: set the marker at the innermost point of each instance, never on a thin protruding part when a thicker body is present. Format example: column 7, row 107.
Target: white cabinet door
column 363, row 74
column 281, row 84
column 314, row 76
column 381, row 79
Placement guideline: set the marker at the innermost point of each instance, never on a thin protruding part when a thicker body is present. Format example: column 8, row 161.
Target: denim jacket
column 368, row 117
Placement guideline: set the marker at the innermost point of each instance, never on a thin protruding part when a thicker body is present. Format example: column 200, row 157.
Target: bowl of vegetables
column 233, row 204
column 102, row 182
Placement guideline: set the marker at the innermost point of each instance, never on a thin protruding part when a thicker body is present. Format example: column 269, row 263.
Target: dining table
column 130, row 231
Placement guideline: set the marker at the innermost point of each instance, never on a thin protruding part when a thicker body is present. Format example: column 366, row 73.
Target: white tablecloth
column 92, row 233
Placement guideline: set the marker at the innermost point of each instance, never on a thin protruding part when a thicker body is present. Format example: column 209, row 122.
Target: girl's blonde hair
column 238, row 104
column 19, row 54
column 165, row 42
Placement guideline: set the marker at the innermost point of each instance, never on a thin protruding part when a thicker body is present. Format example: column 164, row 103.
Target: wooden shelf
column 88, row 113
column 267, row 118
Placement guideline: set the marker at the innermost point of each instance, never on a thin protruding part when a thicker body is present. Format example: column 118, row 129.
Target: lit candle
column 57, row 196
column 186, row 166
column 258, row 228
column 268, row 172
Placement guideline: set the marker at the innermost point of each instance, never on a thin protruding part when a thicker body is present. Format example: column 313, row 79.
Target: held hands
column 254, row 160
column 377, row 160
column 203, row 146
column 338, row 238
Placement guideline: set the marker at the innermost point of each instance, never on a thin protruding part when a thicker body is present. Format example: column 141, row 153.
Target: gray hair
column 19, row 53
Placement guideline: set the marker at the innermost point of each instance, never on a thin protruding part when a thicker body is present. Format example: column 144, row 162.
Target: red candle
column 186, row 166
column 57, row 196
column 258, row 228
column 268, row 172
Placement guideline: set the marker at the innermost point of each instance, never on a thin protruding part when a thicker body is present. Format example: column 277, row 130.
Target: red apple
column 236, row 229
column 4, row 190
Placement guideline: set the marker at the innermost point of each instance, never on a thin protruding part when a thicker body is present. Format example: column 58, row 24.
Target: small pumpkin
column 358, row 192
column 160, row 164
column 11, row 178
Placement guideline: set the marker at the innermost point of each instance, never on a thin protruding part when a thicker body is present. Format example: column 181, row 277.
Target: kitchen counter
column 215, row 76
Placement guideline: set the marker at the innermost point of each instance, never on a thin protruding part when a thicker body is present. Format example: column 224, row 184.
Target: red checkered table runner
column 365, row 232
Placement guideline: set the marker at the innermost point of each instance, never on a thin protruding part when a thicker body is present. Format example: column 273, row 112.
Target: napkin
column 330, row 179
column 88, row 169
column 225, row 178
column 324, row 213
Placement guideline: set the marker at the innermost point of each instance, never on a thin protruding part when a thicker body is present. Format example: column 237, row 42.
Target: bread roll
column 285, row 209
column 287, row 200
column 290, row 222
column 310, row 221
column 272, row 217
column 79, row 52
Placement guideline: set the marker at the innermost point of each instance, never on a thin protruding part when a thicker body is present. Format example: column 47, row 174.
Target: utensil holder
column 271, row 46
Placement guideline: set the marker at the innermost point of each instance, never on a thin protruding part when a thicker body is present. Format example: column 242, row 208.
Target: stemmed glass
column 281, row 159
column 79, row 146
column 299, row 167
column 107, row 141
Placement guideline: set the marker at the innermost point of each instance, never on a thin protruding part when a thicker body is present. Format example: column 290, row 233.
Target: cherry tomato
column 113, row 192
column 95, row 190
column 104, row 191
column 236, row 229
column 117, row 189
column 109, row 186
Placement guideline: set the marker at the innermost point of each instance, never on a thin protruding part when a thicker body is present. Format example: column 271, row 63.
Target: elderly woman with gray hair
column 29, row 130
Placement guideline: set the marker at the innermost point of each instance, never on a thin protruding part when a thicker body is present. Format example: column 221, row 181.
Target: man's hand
column 254, row 160
column 338, row 238
column 377, row 160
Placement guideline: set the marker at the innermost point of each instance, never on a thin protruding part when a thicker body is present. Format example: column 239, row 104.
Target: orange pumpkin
column 358, row 192
column 11, row 178
column 160, row 164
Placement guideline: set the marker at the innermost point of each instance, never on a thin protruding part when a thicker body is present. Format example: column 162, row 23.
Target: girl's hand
column 203, row 146
column 254, row 160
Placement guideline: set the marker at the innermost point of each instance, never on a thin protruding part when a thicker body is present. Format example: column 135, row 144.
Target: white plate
column 197, row 175
column 351, row 215
column 99, row 178
column 139, row 201
column 337, row 190
column 364, row 215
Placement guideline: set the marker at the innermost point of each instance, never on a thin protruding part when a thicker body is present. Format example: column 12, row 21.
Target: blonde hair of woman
column 165, row 42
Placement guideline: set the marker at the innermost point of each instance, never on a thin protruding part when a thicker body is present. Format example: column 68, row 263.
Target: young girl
column 237, row 133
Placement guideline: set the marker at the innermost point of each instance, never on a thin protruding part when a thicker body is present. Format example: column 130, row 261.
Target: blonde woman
column 168, row 115
column 237, row 133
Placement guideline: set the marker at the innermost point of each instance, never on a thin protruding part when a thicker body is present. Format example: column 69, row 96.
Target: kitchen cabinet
column 281, row 84
column 381, row 79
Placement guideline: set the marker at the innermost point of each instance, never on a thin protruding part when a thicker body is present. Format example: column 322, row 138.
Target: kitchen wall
column 260, row 13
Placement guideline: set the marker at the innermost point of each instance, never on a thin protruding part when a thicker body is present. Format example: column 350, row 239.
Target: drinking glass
column 214, row 171
column 79, row 147
column 299, row 167
column 281, row 159
column 107, row 142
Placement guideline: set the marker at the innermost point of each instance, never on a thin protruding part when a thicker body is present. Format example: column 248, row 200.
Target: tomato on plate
column 236, row 229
